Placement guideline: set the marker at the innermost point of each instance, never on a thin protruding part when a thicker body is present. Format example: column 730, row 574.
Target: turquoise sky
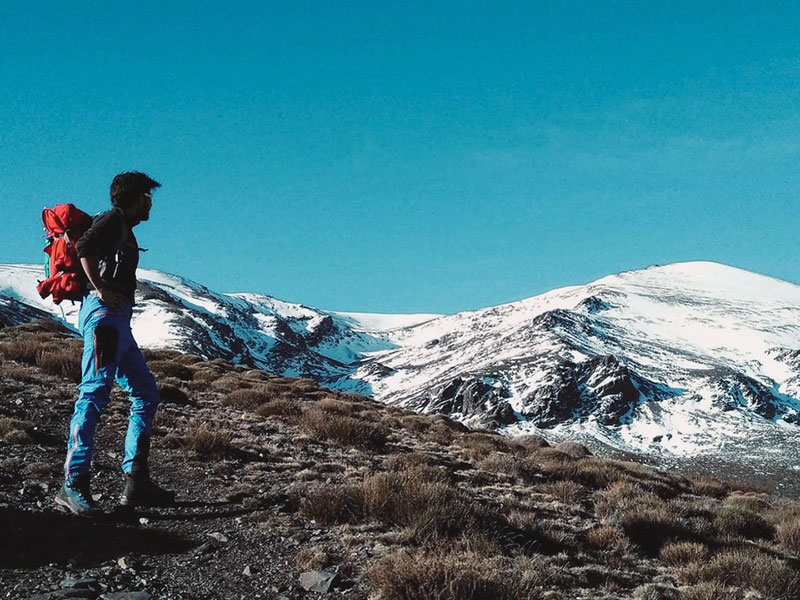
column 411, row 156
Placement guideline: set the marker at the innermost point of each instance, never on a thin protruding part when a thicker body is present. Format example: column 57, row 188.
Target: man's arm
column 91, row 267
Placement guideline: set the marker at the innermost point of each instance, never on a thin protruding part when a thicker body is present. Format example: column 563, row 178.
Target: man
column 109, row 255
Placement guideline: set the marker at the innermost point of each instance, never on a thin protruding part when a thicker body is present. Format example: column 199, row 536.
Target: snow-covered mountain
column 671, row 360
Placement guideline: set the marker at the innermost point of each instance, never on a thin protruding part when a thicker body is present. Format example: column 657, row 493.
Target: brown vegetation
column 416, row 507
column 347, row 431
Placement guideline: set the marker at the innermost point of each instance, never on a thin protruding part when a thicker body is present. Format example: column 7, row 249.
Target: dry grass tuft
column 403, row 462
column 709, row 486
column 248, row 399
column 497, row 462
column 453, row 575
column 481, row 445
column 656, row 591
column 604, row 537
column 749, row 568
column 173, row 395
column 209, row 440
column 623, row 497
column 63, row 361
column 735, row 521
column 289, row 409
column 346, row 431
column 334, row 504
column 712, row 591
column 682, row 553
column 788, row 534
column 171, row 368
column 567, row 492
column 15, row 431
column 23, row 348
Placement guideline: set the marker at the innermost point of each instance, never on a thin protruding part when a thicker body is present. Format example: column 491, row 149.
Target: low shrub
column 462, row 574
column 709, row 486
column 280, row 408
column 622, row 498
column 736, row 521
column 788, row 534
column 481, row 445
column 403, row 462
column 335, row 504
column 682, row 553
column 22, row 349
column 173, row 395
column 604, row 537
column 15, row 431
column 205, row 439
column 63, row 361
column 171, row 368
column 346, row 431
column 249, row 399
column 712, row 591
column 750, row 568
column 567, row 492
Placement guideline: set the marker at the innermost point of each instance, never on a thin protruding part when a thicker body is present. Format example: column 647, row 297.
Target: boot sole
column 134, row 503
column 66, row 505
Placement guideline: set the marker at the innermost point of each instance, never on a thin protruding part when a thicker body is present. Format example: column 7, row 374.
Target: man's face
column 144, row 206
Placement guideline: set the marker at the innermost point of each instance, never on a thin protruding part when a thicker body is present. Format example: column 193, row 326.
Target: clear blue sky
column 411, row 156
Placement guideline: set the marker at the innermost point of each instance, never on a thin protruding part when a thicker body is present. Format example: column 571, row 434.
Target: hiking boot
column 76, row 495
column 140, row 490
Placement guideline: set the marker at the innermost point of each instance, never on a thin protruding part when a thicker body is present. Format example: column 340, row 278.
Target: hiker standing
column 109, row 255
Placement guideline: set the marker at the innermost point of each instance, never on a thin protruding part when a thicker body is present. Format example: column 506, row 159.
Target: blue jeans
column 109, row 353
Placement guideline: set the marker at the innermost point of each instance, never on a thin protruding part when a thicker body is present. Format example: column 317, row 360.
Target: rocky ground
column 287, row 490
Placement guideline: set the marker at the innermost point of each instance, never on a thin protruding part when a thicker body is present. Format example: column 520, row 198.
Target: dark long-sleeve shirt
column 111, row 239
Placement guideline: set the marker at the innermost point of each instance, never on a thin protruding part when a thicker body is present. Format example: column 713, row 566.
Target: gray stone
column 126, row 596
column 573, row 449
column 69, row 593
column 221, row 538
column 319, row 581
column 84, row 583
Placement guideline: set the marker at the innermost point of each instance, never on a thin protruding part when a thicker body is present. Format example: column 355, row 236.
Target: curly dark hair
column 127, row 187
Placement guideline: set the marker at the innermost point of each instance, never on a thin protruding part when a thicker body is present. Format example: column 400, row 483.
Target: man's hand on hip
column 113, row 299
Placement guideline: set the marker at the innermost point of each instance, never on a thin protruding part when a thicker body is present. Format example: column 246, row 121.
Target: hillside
column 278, row 477
column 685, row 365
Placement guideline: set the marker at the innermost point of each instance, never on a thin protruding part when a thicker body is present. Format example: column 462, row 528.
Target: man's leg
column 101, row 352
column 135, row 378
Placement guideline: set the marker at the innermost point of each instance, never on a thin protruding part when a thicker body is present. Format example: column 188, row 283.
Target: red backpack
column 64, row 224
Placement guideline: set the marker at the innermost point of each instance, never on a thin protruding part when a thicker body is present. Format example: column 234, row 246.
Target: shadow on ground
column 37, row 538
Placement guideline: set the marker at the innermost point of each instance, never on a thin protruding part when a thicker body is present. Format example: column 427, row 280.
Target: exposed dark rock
column 321, row 331
column 735, row 391
column 601, row 386
column 594, row 304
column 475, row 396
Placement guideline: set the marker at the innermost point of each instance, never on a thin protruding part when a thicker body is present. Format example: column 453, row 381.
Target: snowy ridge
column 672, row 360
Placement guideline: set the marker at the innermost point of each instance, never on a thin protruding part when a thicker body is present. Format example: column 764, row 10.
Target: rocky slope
column 285, row 487
column 674, row 362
